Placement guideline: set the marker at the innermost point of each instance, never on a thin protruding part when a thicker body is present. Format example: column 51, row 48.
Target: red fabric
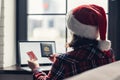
column 92, row 15
column 102, row 22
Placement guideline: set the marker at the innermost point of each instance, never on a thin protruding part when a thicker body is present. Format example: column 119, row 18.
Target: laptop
column 39, row 49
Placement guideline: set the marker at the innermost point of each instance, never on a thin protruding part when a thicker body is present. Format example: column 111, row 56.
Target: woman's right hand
column 53, row 57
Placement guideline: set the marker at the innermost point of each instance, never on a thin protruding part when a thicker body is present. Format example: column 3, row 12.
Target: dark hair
column 78, row 41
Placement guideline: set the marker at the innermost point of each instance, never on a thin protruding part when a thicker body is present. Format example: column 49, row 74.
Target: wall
column 1, row 34
column 114, row 26
column 7, row 34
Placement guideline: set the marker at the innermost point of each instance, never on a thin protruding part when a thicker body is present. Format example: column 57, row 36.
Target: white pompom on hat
column 89, row 21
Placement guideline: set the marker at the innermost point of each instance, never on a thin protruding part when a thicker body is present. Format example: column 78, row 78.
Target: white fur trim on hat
column 104, row 45
column 78, row 28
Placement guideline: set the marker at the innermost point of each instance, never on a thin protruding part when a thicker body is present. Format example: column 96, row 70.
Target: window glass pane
column 46, row 6
column 75, row 3
column 47, row 27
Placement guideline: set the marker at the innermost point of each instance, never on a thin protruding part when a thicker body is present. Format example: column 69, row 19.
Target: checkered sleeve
column 56, row 73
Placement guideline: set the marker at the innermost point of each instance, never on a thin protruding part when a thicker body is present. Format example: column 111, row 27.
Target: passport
column 46, row 49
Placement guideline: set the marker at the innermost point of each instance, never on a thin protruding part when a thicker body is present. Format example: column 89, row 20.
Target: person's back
column 84, row 58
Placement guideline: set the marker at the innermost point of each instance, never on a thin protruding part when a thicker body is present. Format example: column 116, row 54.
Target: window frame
column 21, row 23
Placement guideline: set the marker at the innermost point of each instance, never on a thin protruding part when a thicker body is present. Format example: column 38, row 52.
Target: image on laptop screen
column 39, row 50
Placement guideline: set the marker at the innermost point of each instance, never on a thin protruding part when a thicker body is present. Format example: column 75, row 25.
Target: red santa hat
column 89, row 21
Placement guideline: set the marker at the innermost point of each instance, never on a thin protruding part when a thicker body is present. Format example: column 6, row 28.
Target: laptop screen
column 40, row 49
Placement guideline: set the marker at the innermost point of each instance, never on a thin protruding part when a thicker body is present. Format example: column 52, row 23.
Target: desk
column 15, row 73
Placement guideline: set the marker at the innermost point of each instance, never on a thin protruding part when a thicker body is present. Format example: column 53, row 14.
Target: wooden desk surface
column 16, row 70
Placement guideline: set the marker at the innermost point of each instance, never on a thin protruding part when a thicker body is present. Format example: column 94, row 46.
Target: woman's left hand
column 33, row 64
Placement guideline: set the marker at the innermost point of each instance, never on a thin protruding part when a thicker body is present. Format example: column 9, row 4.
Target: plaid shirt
column 75, row 62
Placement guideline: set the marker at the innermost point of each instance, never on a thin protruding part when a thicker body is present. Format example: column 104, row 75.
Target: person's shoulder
column 67, row 58
column 63, row 56
column 110, row 52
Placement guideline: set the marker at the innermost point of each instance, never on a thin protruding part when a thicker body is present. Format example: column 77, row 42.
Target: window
column 45, row 19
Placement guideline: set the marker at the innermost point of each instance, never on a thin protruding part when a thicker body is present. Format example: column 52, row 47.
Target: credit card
column 32, row 55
